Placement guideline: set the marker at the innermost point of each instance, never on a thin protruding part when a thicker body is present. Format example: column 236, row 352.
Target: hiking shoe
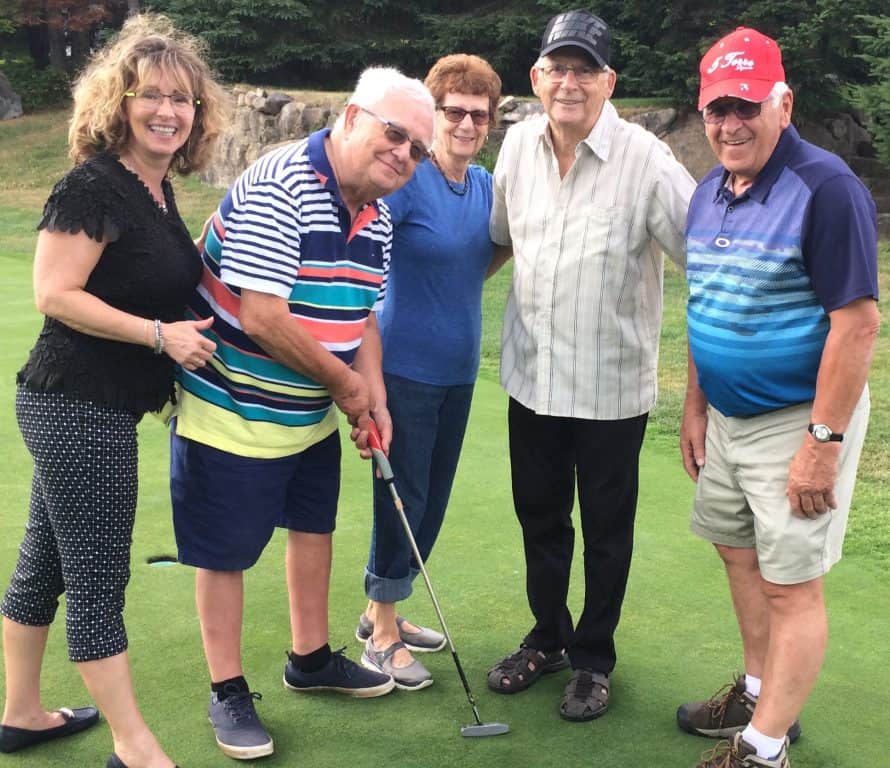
column 339, row 675
column 424, row 640
column 411, row 678
column 727, row 712
column 239, row 732
column 738, row 753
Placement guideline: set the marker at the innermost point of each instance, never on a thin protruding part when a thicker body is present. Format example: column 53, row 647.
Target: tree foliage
column 873, row 97
column 656, row 44
column 58, row 32
column 656, row 48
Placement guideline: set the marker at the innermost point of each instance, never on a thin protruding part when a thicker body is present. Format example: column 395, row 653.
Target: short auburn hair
column 465, row 73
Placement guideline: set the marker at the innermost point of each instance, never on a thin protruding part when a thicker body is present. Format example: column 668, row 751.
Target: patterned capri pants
column 77, row 539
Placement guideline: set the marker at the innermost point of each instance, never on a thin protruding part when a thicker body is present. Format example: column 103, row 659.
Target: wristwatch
column 822, row 434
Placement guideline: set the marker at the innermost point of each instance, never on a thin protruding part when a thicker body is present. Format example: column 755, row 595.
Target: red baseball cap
column 745, row 64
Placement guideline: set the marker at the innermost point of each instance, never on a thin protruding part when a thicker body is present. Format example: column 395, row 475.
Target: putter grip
column 376, row 446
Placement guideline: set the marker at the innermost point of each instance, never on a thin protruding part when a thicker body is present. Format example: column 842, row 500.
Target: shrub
column 38, row 88
column 874, row 97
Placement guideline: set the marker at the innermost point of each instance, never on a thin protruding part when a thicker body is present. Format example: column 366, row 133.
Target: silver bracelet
column 159, row 338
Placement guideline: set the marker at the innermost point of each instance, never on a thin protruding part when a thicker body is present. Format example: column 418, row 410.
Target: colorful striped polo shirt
column 766, row 268
column 281, row 229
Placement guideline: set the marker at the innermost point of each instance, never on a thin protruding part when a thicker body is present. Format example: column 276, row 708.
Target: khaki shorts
column 740, row 500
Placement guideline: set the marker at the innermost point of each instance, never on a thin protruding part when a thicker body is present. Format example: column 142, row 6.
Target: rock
column 10, row 102
column 522, row 111
column 314, row 118
column 290, row 119
column 841, row 134
column 274, row 103
column 658, row 121
column 508, row 104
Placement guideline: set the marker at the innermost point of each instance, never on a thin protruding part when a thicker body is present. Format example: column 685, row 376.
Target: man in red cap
column 781, row 243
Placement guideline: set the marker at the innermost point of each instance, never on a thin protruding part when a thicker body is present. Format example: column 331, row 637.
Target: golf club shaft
column 460, row 670
column 376, row 446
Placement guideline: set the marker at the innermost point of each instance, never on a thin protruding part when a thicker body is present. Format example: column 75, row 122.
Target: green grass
column 677, row 638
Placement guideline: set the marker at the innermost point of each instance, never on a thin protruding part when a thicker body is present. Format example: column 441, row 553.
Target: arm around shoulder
column 672, row 190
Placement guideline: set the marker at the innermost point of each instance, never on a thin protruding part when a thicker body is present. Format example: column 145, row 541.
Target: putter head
column 484, row 729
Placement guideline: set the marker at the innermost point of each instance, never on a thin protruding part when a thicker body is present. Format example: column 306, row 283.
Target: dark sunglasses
column 457, row 114
column 397, row 136
column 715, row 114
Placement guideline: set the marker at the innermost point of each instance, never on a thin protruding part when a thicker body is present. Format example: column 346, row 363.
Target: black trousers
column 547, row 453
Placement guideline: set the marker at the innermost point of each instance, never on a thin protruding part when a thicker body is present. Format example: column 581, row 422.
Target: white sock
column 752, row 685
column 766, row 746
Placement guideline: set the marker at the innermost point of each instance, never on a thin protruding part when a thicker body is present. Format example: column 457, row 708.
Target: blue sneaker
column 239, row 732
column 339, row 675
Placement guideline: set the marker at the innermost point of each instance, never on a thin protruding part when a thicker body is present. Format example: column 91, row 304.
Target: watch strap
column 833, row 437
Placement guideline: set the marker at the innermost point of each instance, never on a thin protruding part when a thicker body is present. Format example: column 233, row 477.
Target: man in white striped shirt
column 584, row 199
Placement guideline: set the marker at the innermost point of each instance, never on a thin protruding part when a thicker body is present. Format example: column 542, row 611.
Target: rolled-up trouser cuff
column 382, row 590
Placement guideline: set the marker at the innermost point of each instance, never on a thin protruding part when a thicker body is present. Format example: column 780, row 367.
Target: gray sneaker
column 239, row 732
column 424, row 640
column 411, row 678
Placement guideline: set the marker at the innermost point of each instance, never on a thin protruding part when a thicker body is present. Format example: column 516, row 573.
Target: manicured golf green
column 677, row 638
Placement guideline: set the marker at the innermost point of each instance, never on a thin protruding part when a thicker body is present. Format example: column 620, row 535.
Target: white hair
column 376, row 83
column 778, row 91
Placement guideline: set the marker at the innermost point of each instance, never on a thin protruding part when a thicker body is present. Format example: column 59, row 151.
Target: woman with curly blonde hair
column 113, row 269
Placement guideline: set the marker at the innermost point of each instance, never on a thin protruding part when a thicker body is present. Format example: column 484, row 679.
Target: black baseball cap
column 579, row 29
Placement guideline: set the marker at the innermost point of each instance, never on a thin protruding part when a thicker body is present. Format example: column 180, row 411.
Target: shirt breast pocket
column 605, row 234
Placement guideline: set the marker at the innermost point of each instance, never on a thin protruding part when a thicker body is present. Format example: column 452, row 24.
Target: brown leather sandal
column 586, row 696
column 520, row 669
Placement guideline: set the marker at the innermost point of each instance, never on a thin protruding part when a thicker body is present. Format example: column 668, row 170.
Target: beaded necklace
column 456, row 187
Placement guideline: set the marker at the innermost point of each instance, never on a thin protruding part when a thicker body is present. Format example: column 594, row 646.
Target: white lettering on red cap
column 734, row 60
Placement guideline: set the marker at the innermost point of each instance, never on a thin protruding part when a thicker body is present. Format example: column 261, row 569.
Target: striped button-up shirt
column 583, row 317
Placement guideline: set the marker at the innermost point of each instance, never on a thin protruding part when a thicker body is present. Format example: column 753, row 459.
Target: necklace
column 458, row 188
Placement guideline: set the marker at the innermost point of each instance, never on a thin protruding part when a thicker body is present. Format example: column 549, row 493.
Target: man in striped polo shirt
column 588, row 202
column 295, row 265
column 782, row 317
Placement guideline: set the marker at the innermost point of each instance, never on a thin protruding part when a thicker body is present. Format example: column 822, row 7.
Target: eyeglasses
column 716, row 112
column 583, row 74
column 398, row 136
column 457, row 114
column 181, row 102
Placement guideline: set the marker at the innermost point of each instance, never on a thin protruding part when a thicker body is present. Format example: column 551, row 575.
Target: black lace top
column 149, row 268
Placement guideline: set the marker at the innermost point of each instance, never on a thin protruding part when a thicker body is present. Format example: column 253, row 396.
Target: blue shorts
column 226, row 507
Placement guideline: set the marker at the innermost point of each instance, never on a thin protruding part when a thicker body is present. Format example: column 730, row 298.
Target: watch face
column 821, row 433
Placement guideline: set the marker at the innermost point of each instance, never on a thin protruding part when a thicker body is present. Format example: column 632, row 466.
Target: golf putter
column 478, row 728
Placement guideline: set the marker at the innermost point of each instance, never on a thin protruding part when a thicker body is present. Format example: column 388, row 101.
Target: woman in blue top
column 431, row 328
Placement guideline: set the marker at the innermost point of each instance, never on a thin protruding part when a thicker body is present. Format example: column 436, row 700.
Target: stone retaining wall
column 263, row 121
